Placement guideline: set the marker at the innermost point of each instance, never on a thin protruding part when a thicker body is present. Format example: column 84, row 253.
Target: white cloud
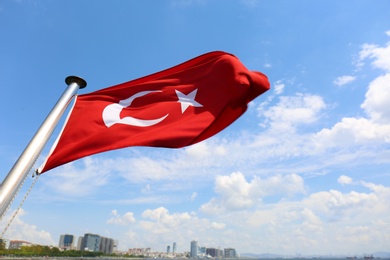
column 161, row 215
column 353, row 131
column 278, row 88
column 377, row 99
column 376, row 127
column 141, row 169
column 20, row 230
column 199, row 150
column 294, row 110
column 236, row 193
column 216, row 225
column 343, row 80
column 380, row 55
column 72, row 181
column 324, row 220
column 160, row 225
column 344, row 180
column 121, row 220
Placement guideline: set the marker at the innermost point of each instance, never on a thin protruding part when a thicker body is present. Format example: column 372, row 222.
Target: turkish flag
column 172, row 108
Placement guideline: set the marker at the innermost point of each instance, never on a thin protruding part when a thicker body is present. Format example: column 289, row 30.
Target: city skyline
column 200, row 251
column 93, row 243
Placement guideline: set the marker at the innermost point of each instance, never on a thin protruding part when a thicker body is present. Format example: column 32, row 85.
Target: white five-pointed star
column 187, row 100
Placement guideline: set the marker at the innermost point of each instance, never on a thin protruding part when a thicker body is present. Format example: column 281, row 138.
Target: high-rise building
column 91, row 242
column 80, row 244
column 66, row 241
column 61, row 243
column 174, row 247
column 213, row 252
column 168, row 249
column 106, row 245
column 230, row 253
column 194, row 249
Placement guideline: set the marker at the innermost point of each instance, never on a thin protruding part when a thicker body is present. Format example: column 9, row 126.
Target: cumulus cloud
column 343, row 80
column 21, row 230
column 216, row 225
column 353, row 131
column 236, row 193
column 336, row 212
column 121, row 220
column 291, row 111
column 324, row 219
column 344, row 180
column 160, row 225
column 379, row 55
column 376, row 127
column 377, row 99
column 162, row 215
column 378, row 94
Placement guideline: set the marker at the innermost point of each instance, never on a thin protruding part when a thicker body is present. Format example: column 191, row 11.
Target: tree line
column 39, row 250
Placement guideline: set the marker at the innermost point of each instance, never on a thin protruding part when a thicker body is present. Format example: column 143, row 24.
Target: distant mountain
column 381, row 254
column 250, row 255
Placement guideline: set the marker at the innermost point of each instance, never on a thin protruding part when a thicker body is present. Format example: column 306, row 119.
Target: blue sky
column 304, row 171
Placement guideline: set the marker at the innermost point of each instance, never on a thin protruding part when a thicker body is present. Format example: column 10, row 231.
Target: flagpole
column 22, row 166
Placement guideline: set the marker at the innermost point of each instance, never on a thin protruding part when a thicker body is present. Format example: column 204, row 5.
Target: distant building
column 212, row 252
column 91, row 242
column 66, row 241
column 96, row 243
column 174, row 247
column 79, row 243
column 201, row 250
column 194, row 249
column 17, row 244
column 5, row 242
column 107, row 245
column 230, row 253
column 116, row 244
column 139, row 251
column 168, row 249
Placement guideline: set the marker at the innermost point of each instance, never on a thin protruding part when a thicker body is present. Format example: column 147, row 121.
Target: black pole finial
column 74, row 79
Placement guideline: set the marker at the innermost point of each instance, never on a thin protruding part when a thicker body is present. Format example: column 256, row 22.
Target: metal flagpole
column 22, row 166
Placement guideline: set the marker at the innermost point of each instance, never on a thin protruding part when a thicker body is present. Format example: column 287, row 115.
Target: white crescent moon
column 111, row 113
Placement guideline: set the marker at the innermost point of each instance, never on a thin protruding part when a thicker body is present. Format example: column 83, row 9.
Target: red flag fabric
column 173, row 108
